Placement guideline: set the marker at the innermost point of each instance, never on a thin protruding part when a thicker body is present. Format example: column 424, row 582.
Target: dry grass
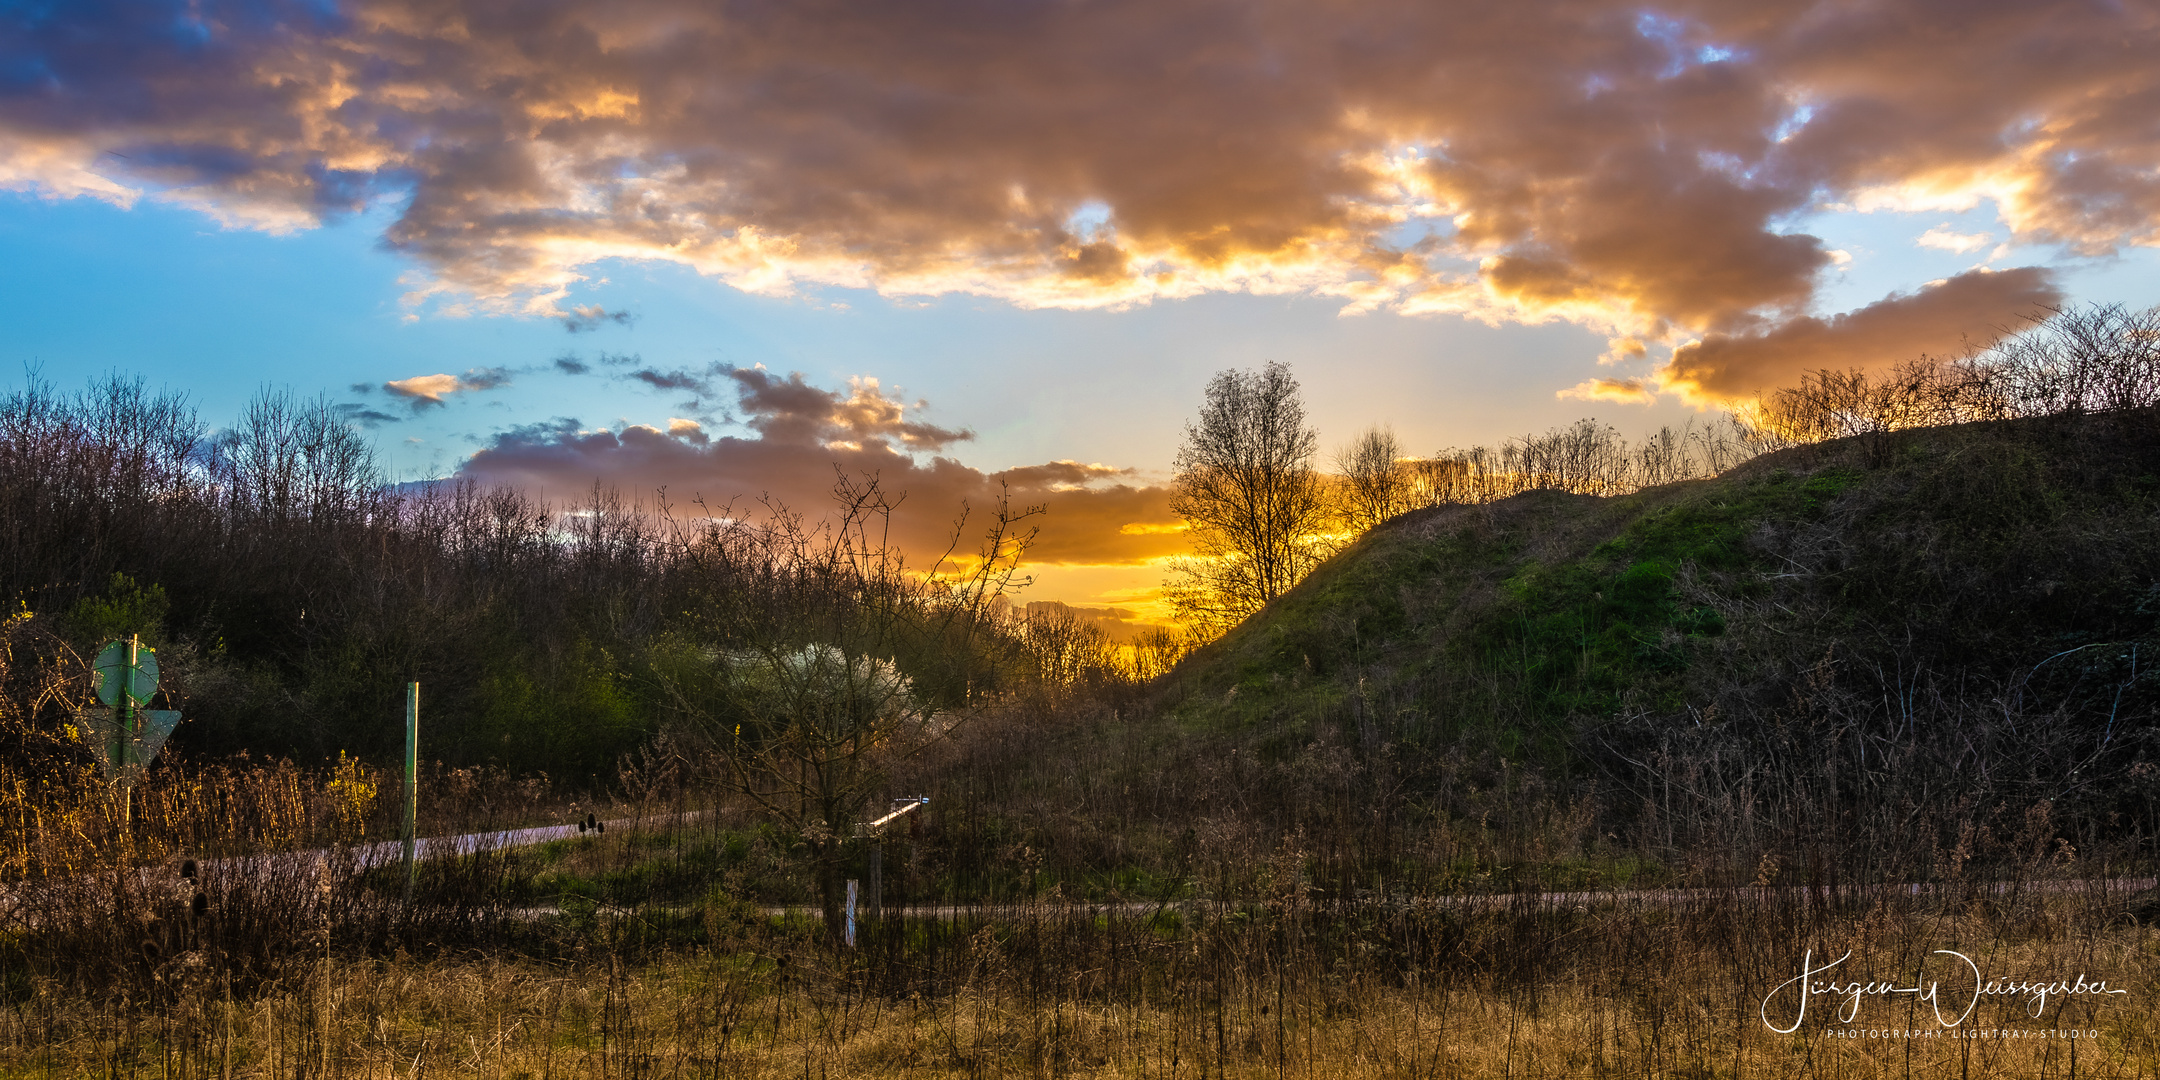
column 1270, row 959
column 1277, row 985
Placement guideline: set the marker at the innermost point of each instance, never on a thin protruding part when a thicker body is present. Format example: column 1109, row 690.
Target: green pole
column 412, row 780
column 124, row 731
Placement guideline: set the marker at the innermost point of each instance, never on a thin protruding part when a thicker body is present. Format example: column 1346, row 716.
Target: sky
column 720, row 249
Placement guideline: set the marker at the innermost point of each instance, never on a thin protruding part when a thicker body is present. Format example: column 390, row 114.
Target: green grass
column 696, row 869
column 661, row 867
column 1564, row 607
column 1584, row 635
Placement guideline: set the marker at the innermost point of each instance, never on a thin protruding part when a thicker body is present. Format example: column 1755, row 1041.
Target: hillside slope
column 1870, row 635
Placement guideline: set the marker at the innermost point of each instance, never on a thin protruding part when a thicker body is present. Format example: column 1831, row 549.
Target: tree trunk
column 830, row 888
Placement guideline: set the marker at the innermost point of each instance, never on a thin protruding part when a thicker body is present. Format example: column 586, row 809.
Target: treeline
column 292, row 592
column 2091, row 359
column 1376, row 481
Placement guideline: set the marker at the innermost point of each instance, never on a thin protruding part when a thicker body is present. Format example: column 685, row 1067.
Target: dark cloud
column 792, row 411
column 1635, row 169
column 571, row 365
column 1971, row 309
column 700, row 382
column 582, row 318
column 620, row 359
column 540, row 431
column 365, row 416
column 490, row 378
column 801, row 434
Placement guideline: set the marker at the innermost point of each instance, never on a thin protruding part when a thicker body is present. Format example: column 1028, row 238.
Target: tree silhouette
column 1252, row 504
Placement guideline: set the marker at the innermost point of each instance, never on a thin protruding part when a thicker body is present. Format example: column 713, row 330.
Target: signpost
column 126, row 735
column 874, row 831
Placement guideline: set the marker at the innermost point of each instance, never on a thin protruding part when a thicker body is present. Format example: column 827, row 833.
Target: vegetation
column 806, row 703
column 1375, row 484
column 1560, row 774
column 655, row 958
column 292, row 593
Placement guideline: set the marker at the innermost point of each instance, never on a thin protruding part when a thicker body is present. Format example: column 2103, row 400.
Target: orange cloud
column 1636, row 169
column 1121, row 624
column 425, row 390
column 1971, row 309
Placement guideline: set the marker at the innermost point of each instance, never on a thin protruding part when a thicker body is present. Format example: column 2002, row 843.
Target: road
column 19, row 901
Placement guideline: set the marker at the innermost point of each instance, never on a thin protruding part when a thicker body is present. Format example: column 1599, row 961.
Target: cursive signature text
column 1821, row 981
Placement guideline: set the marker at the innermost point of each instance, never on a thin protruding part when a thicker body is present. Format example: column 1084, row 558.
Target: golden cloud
column 1972, row 309
column 1636, row 169
column 1624, row 391
column 429, row 388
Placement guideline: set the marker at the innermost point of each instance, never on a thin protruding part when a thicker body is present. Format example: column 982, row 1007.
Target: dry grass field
column 290, row 967
column 1611, row 993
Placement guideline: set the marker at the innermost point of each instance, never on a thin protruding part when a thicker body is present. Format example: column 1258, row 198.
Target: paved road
column 18, row 902
column 389, row 851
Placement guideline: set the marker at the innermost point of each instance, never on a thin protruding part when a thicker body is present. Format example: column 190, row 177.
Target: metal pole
column 412, row 780
column 124, row 731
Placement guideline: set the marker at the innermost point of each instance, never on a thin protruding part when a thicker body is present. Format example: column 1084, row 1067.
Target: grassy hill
column 1901, row 655
column 1968, row 550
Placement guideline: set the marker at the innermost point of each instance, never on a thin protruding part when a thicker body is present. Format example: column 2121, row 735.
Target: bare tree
column 1068, row 653
column 293, row 460
column 1252, row 503
column 2095, row 358
column 1157, row 651
column 1375, row 484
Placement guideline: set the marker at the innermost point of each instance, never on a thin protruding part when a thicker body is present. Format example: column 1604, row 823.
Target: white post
column 849, row 927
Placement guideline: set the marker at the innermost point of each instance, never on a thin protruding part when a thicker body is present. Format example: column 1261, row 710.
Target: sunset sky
column 721, row 247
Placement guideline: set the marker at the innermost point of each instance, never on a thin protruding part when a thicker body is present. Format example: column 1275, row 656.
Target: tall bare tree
column 1252, row 503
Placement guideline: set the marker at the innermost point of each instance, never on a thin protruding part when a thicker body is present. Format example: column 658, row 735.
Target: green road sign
column 126, row 748
column 115, row 675
column 124, row 734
